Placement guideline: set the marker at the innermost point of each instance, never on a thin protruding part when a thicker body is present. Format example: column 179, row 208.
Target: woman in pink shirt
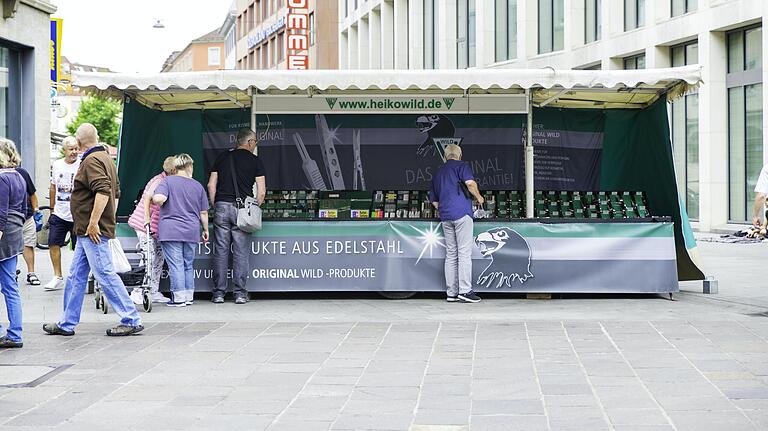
column 148, row 213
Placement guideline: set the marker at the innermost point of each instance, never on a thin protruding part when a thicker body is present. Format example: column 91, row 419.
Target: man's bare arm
column 472, row 186
column 759, row 207
column 213, row 181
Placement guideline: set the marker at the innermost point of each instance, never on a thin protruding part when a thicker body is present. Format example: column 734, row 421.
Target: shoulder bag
column 248, row 210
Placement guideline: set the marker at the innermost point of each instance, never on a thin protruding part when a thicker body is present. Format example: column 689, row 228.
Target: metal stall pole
column 253, row 115
column 529, row 192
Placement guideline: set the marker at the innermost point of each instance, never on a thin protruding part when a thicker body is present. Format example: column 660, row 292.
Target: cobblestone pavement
column 357, row 362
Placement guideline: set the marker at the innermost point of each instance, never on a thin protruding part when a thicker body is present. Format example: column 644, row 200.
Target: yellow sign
column 56, row 24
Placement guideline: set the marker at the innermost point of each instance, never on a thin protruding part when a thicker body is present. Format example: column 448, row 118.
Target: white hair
column 69, row 140
column 9, row 156
column 452, row 152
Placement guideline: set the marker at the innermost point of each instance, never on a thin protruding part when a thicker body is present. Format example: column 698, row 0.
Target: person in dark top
column 455, row 210
column 30, row 229
column 13, row 196
column 248, row 169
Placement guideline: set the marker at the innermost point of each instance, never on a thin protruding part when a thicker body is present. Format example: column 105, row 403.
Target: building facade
column 204, row 53
column 228, row 32
column 261, row 33
column 25, row 81
column 717, row 132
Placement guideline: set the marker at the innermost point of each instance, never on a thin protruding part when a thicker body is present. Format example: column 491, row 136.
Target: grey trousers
column 228, row 239
column 458, row 255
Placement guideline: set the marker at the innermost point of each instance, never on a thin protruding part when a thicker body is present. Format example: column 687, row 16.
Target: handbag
column 248, row 210
column 119, row 261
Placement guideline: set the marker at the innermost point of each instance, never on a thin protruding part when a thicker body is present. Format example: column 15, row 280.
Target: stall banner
column 409, row 256
column 403, row 151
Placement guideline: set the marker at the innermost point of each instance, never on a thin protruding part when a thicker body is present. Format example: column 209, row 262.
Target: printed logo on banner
column 448, row 101
column 437, row 127
column 510, row 257
column 331, row 101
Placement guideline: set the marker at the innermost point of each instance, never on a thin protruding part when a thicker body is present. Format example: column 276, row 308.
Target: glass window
column 312, row 29
column 551, row 31
column 430, row 15
column 280, row 47
column 214, row 56
column 685, row 134
column 592, row 21
column 4, row 84
column 634, row 14
column 634, row 62
column 745, row 119
column 506, row 30
column 680, row 7
column 465, row 34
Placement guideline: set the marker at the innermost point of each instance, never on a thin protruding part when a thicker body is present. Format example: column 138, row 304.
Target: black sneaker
column 450, row 298
column 53, row 329
column 218, row 299
column 123, row 330
column 7, row 343
column 469, row 297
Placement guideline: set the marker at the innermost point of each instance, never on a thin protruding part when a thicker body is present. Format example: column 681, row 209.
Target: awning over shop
column 599, row 89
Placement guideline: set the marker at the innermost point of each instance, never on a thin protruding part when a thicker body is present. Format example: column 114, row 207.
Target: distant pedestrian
column 761, row 191
column 93, row 205
column 147, row 213
column 184, row 207
column 30, row 227
column 455, row 209
column 244, row 168
column 13, row 195
column 60, row 222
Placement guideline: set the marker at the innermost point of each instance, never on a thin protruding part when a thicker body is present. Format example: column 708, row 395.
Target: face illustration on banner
column 510, row 257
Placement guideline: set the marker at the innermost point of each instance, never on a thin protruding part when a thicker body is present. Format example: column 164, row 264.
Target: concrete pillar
column 416, row 35
column 401, row 34
column 446, row 44
column 387, row 35
column 528, row 30
column 374, row 38
column 485, row 38
column 353, row 61
column 713, row 132
column 362, row 44
column 344, row 51
column 575, row 24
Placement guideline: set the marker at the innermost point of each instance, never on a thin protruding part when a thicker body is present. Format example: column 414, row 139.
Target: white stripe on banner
column 616, row 248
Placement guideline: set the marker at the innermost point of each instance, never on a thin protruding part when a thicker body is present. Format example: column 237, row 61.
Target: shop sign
column 298, row 35
column 55, row 52
column 266, row 32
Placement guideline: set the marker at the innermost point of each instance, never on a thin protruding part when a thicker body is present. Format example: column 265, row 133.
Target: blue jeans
column 10, row 290
column 96, row 258
column 180, row 256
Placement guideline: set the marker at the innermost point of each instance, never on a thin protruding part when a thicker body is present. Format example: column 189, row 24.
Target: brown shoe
column 7, row 343
column 53, row 329
column 124, row 330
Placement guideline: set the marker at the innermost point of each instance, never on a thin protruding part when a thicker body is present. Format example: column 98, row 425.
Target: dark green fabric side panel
column 148, row 137
column 637, row 155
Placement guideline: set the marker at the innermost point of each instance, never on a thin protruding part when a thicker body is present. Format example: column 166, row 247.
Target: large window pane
column 678, row 144
column 502, row 38
column 736, row 155
column 558, row 15
column 471, row 33
column 692, row 155
column 735, row 52
column 692, row 53
column 461, row 34
column 630, row 14
column 545, row 26
column 640, row 13
column 590, row 21
column 678, row 56
column 678, row 7
column 4, row 81
column 754, row 48
column 754, row 138
column 512, row 29
column 429, row 34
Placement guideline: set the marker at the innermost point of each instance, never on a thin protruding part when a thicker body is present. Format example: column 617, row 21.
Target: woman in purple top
column 13, row 196
column 183, row 207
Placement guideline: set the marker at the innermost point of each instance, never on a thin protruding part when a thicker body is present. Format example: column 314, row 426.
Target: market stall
column 577, row 166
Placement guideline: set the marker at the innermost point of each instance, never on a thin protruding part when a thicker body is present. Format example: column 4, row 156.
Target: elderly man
column 93, row 205
column 455, row 209
column 761, row 190
column 60, row 222
column 238, row 167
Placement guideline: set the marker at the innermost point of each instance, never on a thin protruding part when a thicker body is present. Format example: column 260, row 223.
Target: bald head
column 87, row 136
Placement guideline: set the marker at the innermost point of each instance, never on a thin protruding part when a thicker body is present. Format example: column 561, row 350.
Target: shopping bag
column 119, row 261
column 249, row 216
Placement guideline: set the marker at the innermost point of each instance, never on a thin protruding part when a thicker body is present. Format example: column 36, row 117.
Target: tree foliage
column 102, row 113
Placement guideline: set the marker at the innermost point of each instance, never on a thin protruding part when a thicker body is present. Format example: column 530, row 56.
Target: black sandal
column 32, row 279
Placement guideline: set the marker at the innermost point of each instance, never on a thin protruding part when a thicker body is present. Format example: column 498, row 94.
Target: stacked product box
column 289, row 204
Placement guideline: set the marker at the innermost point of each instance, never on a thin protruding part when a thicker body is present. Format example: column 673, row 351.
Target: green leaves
column 102, row 113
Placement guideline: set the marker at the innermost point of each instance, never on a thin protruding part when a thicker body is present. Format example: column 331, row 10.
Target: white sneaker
column 159, row 298
column 56, row 283
column 137, row 297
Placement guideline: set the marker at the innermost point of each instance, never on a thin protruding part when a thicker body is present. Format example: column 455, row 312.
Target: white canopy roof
column 231, row 88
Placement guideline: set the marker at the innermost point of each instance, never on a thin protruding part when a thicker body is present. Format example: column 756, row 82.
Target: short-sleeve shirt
column 31, row 190
column 63, row 180
column 180, row 214
column 446, row 191
column 248, row 167
column 762, row 181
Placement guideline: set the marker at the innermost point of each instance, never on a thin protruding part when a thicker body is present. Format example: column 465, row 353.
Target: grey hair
column 69, row 140
column 452, row 152
column 182, row 161
column 9, row 156
column 169, row 165
column 244, row 135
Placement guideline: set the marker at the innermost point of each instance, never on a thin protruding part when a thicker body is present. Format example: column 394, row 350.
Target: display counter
column 400, row 255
